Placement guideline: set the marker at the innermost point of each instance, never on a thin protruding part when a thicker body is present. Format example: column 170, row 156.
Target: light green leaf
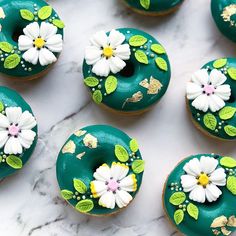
column 178, row 216
column 138, row 166
column 1, row 106
column 58, row 23
column 14, row 162
column 6, row 47
column 111, row 84
column 12, row 61
column 97, row 96
column 230, row 130
column 121, row 153
column 66, row 194
column 219, row 63
column 45, row 12
column 161, row 63
column 227, row 112
column 145, row 4
column 91, row 81
column 141, row 57
column 27, row 15
column 84, row 205
column 79, row 186
column 231, row 184
column 157, row 48
column 232, row 73
column 193, row 211
column 137, row 40
column 228, row 162
column 177, row 198
column 210, row 121
column 133, row 144
column 1, row 159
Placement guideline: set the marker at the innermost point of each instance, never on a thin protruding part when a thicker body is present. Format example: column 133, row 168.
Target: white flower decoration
column 39, row 42
column 208, row 91
column 107, row 53
column 112, row 185
column 15, row 130
column 202, row 179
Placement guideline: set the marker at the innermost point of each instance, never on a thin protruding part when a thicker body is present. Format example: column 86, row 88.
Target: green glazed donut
column 211, row 97
column 30, row 38
column 99, row 170
column 224, row 15
column 153, row 7
column 126, row 70
column 199, row 196
column 18, row 132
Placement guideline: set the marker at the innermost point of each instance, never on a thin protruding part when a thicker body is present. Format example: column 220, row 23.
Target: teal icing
column 223, row 206
column 129, row 86
column 70, row 167
column 14, row 23
column 11, row 98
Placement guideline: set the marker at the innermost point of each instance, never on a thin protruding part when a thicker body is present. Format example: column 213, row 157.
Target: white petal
column 13, row 146
column 123, row 52
column 215, row 103
column 47, row 30
column 3, row 137
column 123, row 198
column 107, row 200
column 208, row 164
column 129, row 183
column 92, row 54
column 4, row 122
column 223, row 91
column 27, row 121
column 200, row 77
column 212, row 192
column 193, row 90
column 13, row 114
column 98, row 188
column 32, row 30
column 46, row 57
column 198, row 194
column 193, row 167
column 115, row 38
column 188, row 182
column 103, row 173
column 26, row 138
column 218, row 177
column 100, row 39
column 116, row 64
column 217, row 77
column 201, row 103
column 31, row 56
column 25, row 43
column 101, row 68
column 55, row 43
column 119, row 171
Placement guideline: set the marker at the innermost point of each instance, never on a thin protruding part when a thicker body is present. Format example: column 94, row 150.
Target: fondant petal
column 13, row 146
column 218, row 177
column 116, row 64
column 201, row 102
column 13, row 114
column 217, row 77
column 26, row 138
column 47, row 30
column 123, row 52
column 198, row 194
column 215, row 103
column 100, row 39
column 212, row 192
column 193, row 167
column 32, row 30
column 55, row 43
column 103, row 173
column 129, row 183
column 123, row 198
column 107, row 200
column 98, row 188
column 101, row 68
column 119, row 171
column 31, row 56
column 208, row 164
column 92, row 54
column 3, row 137
column 115, row 38
column 4, row 122
column 193, row 90
column 188, row 182
column 223, row 91
column 25, row 43
column 27, row 121
column 200, row 77
column 46, row 57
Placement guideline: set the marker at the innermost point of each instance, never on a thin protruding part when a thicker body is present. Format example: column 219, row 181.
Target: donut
column 99, row 170
column 153, row 7
column 18, row 132
column 31, row 38
column 199, row 196
column 224, row 15
column 126, row 70
column 211, row 97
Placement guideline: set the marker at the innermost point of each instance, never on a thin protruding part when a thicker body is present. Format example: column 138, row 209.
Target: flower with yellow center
column 39, row 43
column 203, row 180
column 108, row 52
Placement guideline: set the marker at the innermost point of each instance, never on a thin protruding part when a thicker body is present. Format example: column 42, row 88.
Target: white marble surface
column 29, row 201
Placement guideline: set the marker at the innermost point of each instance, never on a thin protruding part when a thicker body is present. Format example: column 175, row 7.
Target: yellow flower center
column 107, row 51
column 39, row 42
column 203, row 180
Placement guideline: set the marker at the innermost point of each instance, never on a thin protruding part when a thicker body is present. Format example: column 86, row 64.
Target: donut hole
column 17, row 33
column 96, row 165
column 128, row 71
column 231, row 99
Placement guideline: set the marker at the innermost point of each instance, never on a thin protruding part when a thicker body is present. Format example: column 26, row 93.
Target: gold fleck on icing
column 80, row 155
column 90, row 141
column 153, row 86
column 221, row 222
column 136, row 97
column 232, row 221
column 69, row 147
column 228, row 12
column 2, row 13
column 79, row 133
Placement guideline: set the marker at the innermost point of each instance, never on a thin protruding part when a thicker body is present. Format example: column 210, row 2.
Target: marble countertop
column 30, row 203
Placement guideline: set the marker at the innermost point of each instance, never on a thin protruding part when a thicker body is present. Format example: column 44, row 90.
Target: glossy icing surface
column 143, row 80
column 215, row 218
column 88, row 150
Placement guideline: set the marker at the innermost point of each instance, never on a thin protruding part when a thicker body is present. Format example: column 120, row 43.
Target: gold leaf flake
column 232, row 221
column 80, row 155
column 225, row 231
column 90, row 141
column 228, row 12
column 153, row 86
column 144, row 83
column 79, row 133
column 69, row 147
column 216, row 232
column 2, row 14
column 219, row 222
column 136, row 97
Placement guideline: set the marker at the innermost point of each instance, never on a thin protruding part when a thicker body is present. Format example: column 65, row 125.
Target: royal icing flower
column 111, row 185
column 107, row 53
column 15, row 130
column 208, row 91
column 39, row 42
column 202, row 179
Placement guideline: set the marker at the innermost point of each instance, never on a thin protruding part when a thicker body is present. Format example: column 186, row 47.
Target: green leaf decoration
column 137, row 40
column 6, row 47
column 27, row 15
column 133, row 144
column 193, row 211
column 97, row 96
column 45, row 12
column 220, row 63
column 228, row 162
column 231, row 184
column 210, row 121
column 121, row 153
column 145, row 4
column 66, row 194
column 58, row 23
column 79, row 186
column 178, row 216
column 14, row 162
column 232, row 73
column 1, row 159
column 1, row 106
column 161, row 63
column 141, row 57
column 12, row 61
column 111, row 84
column 177, row 198
column 227, row 113
column 91, row 81
column 84, row 205
column 157, row 48
column 230, row 130
column 138, row 166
